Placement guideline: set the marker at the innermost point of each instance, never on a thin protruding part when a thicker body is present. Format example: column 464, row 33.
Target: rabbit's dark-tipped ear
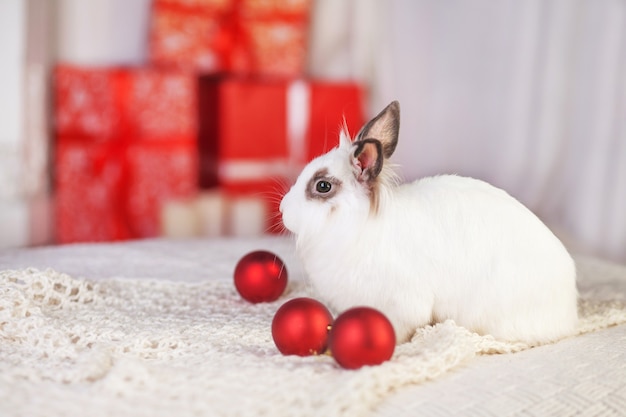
column 384, row 128
column 368, row 159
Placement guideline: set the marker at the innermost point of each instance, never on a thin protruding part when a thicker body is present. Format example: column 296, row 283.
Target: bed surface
column 583, row 375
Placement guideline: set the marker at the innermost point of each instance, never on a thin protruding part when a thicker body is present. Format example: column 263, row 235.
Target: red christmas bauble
column 260, row 276
column 300, row 327
column 361, row 336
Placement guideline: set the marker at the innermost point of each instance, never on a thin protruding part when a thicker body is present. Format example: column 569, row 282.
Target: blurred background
column 124, row 119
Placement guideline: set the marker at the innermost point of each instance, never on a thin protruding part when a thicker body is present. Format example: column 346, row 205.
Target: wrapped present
column 115, row 190
column 259, row 129
column 246, row 37
column 89, row 197
column 157, row 173
column 270, row 37
column 125, row 144
column 255, row 137
column 103, row 104
column 192, row 34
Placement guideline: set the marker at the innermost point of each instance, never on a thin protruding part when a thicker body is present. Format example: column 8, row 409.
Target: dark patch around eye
column 322, row 186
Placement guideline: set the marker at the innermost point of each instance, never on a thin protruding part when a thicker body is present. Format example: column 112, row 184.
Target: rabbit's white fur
column 444, row 247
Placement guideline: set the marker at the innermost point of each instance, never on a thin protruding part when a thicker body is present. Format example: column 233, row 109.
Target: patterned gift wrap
column 246, row 37
column 125, row 144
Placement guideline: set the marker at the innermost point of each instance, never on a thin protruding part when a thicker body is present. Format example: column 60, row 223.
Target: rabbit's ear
column 384, row 127
column 367, row 159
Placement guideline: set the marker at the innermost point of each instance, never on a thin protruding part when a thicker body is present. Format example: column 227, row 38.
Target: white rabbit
column 444, row 247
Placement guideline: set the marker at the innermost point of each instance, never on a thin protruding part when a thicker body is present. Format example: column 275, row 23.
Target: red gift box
column 193, row 35
column 101, row 104
column 126, row 142
column 247, row 37
column 88, row 203
column 251, row 129
column 114, row 191
column 256, row 136
column 271, row 37
column 158, row 172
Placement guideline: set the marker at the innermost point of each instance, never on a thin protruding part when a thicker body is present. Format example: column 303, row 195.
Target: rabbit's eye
column 323, row 186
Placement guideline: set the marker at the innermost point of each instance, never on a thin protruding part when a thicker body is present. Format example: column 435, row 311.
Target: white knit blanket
column 135, row 347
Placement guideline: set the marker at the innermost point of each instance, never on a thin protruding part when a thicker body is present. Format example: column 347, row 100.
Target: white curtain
column 528, row 95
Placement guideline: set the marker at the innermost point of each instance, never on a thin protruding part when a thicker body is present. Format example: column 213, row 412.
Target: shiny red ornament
column 260, row 276
column 361, row 336
column 300, row 327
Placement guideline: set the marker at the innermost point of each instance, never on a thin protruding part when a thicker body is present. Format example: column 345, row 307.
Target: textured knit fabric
column 144, row 347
